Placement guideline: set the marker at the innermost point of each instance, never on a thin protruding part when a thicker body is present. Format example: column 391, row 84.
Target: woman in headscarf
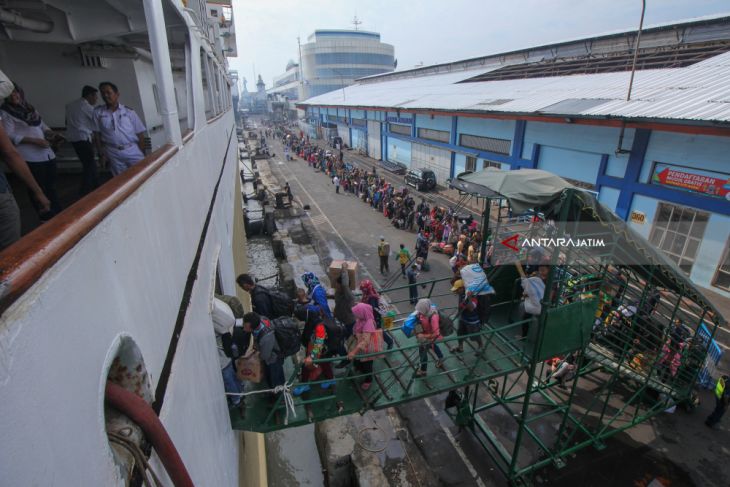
column 428, row 318
column 31, row 136
column 364, row 334
column 370, row 296
column 317, row 293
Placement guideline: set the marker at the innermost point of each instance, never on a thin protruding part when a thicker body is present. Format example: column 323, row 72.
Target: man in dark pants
column 80, row 131
column 271, row 356
column 722, row 399
column 412, row 275
column 383, row 254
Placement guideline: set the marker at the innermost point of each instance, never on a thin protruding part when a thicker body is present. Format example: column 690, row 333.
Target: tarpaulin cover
column 524, row 189
column 547, row 193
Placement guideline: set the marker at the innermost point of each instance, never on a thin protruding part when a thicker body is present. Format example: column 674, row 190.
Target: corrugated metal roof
column 697, row 92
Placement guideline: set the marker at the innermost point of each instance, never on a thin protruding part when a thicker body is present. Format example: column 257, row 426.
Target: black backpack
column 281, row 304
column 286, row 331
column 335, row 334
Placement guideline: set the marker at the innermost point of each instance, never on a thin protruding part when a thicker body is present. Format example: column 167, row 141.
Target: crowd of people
column 362, row 336
column 111, row 131
column 438, row 228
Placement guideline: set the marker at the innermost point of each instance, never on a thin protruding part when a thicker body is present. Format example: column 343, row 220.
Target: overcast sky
column 435, row 31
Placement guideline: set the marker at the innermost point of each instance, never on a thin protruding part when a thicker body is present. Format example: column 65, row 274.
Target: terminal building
column 656, row 150
column 288, row 83
column 334, row 59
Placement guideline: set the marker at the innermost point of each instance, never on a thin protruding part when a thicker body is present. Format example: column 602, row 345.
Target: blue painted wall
column 484, row 127
column 399, row 151
column 438, row 123
column 573, row 164
column 609, row 197
column 598, row 140
column 698, row 151
column 357, row 113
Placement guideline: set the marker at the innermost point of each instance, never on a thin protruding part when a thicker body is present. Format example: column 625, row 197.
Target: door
column 433, row 158
column 374, row 147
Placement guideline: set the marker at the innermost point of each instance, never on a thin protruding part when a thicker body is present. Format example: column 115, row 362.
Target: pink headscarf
column 364, row 319
column 368, row 290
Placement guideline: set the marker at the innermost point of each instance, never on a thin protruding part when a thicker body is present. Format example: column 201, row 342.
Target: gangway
column 627, row 317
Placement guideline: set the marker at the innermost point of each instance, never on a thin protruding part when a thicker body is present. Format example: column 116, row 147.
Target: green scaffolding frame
column 524, row 420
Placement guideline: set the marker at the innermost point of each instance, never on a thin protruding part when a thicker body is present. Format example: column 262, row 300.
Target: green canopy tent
column 547, row 193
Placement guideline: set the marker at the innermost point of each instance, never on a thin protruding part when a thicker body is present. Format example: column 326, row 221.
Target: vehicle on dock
column 422, row 179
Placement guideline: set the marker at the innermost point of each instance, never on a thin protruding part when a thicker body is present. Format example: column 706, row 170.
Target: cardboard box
column 333, row 272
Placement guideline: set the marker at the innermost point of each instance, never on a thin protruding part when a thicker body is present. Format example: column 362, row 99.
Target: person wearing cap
column 383, row 253
column 118, row 132
column 80, row 128
column 469, row 319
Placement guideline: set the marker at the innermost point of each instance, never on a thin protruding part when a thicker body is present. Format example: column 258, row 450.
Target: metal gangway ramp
column 636, row 329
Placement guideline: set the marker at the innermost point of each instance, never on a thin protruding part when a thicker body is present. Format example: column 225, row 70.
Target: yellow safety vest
column 720, row 388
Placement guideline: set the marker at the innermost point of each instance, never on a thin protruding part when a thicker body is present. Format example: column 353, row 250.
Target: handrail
column 216, row 117
column 25, row 261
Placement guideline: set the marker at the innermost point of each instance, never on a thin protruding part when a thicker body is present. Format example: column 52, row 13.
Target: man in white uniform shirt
column 80, row 129
column 119, row 132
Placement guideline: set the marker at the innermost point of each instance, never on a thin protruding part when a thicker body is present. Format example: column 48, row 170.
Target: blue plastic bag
column 410, row 324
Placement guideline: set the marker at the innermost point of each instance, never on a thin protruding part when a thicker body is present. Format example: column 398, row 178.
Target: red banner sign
column 695, row 180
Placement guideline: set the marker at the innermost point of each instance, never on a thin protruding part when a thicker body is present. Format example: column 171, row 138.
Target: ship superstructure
column 118, row 287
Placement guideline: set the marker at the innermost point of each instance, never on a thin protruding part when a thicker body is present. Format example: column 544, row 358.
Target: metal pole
column 636, row 49
column 163, row 69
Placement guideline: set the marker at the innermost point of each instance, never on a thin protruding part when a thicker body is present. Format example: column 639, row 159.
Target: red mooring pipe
column 142, row 413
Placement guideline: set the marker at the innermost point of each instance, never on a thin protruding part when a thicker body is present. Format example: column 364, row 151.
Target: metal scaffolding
column 621, row 337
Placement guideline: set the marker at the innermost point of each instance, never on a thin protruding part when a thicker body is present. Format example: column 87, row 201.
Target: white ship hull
column 139, row 283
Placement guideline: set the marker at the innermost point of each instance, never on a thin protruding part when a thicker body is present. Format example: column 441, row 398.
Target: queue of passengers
column 111, row 131
column 439, row 229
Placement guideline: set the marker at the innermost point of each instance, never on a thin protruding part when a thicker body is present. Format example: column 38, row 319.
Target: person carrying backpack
column 317, row 293
column 271, row 303
column 268, row 348
column 469, row 321
column 427, row 335
column 260, row 300
column 383, row 254
column 316, row 339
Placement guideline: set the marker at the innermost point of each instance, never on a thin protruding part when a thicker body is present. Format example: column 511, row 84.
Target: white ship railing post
column 163, row 69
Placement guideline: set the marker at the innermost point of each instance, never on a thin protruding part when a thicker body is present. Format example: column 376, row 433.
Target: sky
column 431, row 31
